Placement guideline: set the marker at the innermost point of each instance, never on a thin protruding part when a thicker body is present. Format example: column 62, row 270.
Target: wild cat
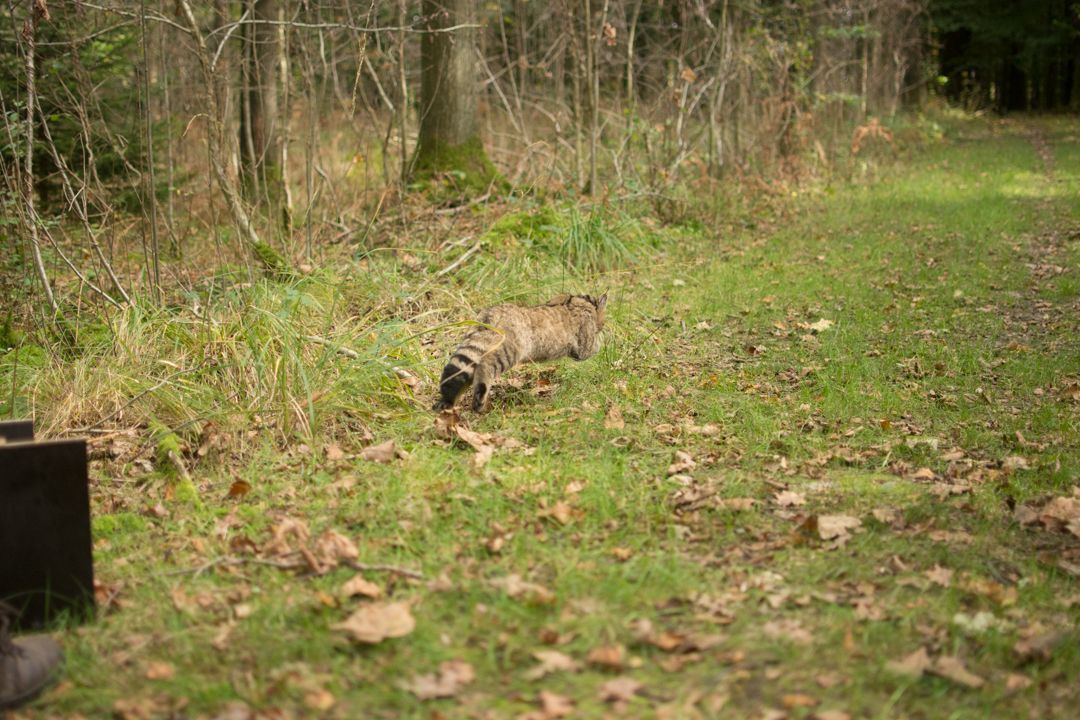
column 508, row 335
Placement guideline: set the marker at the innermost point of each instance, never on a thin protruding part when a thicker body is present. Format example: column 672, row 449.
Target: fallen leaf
column 1039, row 647
column 378, row 621
column 836, row 526
column 619, row 690
column 159, row 670
column 622, row 554
column 789, row 498
column 940, row 575
column 797, row 700
column 614, row 419
column 1013, row 463
column 334, row 453
column 239, row 488
column 1017, row 681
column 383, row 452
column 561, row 512
column 519, row 589
column 319, row 699
column 553, row 705
column 913, row 665
column 609, row 657
column 831, row 715
column 952, row 668
column 359, row 585
column 739, row 504
column 551, row 661
column 331, row 548
column 445, row 422
column 683, row 462
column 787, row 629
column 453, row 675
column 887, row 515
column 1062, row 513
column 820, row 326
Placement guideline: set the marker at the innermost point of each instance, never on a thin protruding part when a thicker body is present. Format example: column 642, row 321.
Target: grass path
column 803, row 454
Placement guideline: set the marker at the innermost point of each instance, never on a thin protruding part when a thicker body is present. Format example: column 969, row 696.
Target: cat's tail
column 456, row 378
column 459, row 372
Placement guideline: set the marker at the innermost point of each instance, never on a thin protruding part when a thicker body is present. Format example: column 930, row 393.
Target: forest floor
column 825, row 466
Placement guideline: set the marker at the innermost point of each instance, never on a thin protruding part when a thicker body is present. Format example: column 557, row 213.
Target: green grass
column 944, row 336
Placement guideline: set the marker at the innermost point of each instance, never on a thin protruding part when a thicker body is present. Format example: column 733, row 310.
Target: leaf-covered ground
column 824, row 466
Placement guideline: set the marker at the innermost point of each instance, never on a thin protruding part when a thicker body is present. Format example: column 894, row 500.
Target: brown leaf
column 836, row 526
column 619, row 690
column 384, row 452
column 614, row 419
column 1013, row 463
column 159, row 670
column 332, row 548
column 551, row 661
column 1039, row 647
column 1062, row 513
column 622, row 554
column 608, row 657
column 334, row 453
column 378, row 621
column 952, row 668
column 787, row 629
column 738, row 504
column 683, row 462
column 554, row 706
column 1017, row 681
column 239, row 488
column 359, row 585
column 688, row 75
column 940, row 575
column 319, row 699
column 913, row 665
column 789, row 498
column 445, row 422
column 561, row 512
column 453, row 675
column 831, row 715
column 519, row 589
column 797, row 700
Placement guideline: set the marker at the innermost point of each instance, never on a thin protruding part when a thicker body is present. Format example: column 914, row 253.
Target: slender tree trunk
column 262, row 135
column 449, row 138
column 38, row 11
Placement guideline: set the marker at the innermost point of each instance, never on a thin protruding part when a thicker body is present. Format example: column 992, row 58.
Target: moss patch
column 458, row 170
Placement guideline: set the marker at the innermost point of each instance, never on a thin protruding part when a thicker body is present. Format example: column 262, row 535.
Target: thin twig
column 464, row 256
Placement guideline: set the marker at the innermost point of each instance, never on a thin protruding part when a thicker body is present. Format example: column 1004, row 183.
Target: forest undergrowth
column 824, row 465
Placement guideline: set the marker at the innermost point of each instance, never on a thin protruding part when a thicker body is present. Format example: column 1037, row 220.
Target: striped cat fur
column 508, row 335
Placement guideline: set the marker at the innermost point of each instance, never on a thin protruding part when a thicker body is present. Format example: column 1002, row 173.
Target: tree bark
column 38, row 11
column 449, row 138
column 262, row 135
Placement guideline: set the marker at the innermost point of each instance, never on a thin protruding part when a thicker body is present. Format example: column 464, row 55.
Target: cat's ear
column 601, row 302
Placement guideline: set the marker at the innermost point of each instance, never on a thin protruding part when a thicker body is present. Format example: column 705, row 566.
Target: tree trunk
column 449, row 138
column 29, row 34
column 262, row 135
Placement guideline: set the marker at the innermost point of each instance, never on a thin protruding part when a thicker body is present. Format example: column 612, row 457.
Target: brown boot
column 27, row 665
